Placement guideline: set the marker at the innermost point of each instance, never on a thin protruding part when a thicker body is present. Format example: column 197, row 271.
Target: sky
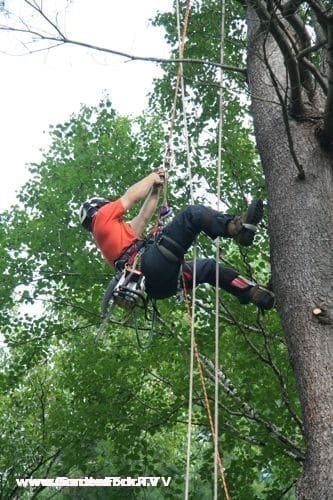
column 46, row 87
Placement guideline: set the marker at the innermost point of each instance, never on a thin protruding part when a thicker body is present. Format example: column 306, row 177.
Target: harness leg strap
column 170, row 249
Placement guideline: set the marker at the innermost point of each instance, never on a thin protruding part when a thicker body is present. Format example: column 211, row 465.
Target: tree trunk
column 300, row 228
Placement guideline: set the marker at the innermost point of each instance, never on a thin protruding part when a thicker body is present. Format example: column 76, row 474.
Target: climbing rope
column 191, row 314
column 217, row 259
column 194, row 352
column 203, row 384
column 168, row 155
column 180, row 82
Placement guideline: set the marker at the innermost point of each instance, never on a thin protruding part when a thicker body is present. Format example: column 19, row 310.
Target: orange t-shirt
column 112, row 234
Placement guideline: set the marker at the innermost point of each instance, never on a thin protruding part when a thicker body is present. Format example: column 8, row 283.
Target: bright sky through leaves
column 46, row 87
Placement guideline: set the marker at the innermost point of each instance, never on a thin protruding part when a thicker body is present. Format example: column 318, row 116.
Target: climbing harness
column 127, row 289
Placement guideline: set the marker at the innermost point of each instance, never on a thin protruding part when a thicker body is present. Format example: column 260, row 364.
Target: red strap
column 240, row 283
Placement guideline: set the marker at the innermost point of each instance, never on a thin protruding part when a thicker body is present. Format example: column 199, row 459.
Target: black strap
column 170, row 249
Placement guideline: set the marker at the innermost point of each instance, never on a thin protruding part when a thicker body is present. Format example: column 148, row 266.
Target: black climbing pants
column 162, row 274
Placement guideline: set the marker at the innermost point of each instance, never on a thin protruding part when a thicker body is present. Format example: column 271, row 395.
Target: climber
column 162, row 257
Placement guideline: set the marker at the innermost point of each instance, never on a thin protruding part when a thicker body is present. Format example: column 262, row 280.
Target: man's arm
column 141, row 221
column 141, row 189
column 148, row 188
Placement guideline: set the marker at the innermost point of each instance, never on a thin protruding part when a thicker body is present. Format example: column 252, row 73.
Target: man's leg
column 230, row 281
column 196, row 218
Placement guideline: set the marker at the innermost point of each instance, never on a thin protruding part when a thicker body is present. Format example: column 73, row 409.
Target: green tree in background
column 73, row 408
column 74, row 405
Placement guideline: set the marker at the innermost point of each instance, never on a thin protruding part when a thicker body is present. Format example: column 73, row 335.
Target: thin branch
column 41, row 462
column 281, row 379
column 270, row 362
column 62, row 40
column 312, row 48
column 13, row 343
column 40, row 11
column 284, row 451
column 248, row 411
column 301, row 173
column 297, row 105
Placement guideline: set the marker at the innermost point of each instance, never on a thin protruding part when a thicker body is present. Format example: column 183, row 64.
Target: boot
column 246, row 291
column 261, row 297
column 242, row 228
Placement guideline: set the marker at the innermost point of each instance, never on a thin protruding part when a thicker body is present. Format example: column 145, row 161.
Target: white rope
column 217, row 287
column 190, row 177
column 180, row 80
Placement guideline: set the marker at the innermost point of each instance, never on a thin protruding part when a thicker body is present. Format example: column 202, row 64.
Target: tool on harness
column 127, row 291
column 130, row 289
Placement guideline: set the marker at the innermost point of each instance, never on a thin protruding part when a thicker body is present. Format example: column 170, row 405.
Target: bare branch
column 40, row 11
column 310, row 49
column 61, row 39
column 301, row 173
column 247, row 410
column 291, row 63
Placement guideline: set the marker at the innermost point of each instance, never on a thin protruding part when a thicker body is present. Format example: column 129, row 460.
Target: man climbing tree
column 163, row 258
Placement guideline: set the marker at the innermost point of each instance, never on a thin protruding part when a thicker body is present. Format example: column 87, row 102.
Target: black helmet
column 88, row 209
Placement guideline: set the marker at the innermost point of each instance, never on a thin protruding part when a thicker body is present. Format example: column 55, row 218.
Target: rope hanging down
column 217, row 259
column 191, row 316
column 181, row 43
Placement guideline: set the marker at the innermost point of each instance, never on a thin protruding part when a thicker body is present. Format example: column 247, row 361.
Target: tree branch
column 301, row 173
column 281, row 379
column 270, row 362
column 247, row 410
column 322, row 15
column 62, row 40
column 310, row 49
column 304, row 41
column 252, row 440
column 291, row 63
column 316, row 73
column 40, row 11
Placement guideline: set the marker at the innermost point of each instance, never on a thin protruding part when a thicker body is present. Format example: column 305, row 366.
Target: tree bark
column 300, row 228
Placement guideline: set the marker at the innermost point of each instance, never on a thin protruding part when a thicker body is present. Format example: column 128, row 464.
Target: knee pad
column 226, row 276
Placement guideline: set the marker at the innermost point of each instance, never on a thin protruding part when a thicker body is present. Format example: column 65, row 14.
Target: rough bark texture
column 301, row 227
